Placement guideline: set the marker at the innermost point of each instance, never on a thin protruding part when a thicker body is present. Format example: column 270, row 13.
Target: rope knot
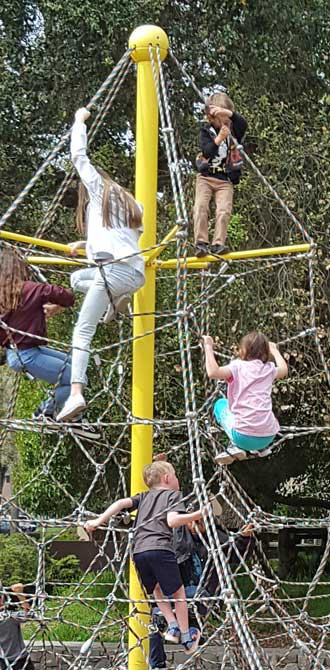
column 191, row 415
column 182, row 234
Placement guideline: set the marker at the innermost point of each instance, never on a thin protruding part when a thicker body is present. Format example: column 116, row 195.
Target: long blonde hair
column 115, row 199
column 14, row 271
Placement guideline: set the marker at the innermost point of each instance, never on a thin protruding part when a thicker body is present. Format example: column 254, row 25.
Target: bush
column 64, row 569
column 18, row 559
column 19, row 562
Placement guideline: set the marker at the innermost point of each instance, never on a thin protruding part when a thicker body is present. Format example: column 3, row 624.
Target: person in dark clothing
column 219, row 168
column 24, row 306
column 13, row 653
column 160, row 509
column 191, row 555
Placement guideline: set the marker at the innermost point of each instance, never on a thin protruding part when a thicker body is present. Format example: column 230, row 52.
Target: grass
column 74, row 621
column 318, row 606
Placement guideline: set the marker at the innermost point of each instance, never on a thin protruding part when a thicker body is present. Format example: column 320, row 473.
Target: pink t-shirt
column 249, row 397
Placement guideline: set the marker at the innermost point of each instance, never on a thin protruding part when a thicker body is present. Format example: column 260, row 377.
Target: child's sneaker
column 201, row 249
column 191, row 643
column 122, row 303
column 262, row 453
column 219, row 249
column 158, row 618
column 74, row 405
column 120, row 306
column 85, row 430
column 231, row 454
column 173, row 634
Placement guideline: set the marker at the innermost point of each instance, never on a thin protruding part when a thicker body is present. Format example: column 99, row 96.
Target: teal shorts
column 250, row 443
column 225, row 418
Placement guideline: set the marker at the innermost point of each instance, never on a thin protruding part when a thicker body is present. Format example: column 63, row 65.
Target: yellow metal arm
column 194, row 262
column 156, row 252
column 35, row 241
column 56, row 260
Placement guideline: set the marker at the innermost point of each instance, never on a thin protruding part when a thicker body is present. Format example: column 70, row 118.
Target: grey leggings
column 121, row 278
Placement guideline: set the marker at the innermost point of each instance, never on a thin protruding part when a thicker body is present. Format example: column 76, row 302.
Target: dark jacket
column 215, row 165
column 191, row 555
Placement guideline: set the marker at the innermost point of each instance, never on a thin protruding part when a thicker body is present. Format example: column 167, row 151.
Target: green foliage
column 77, row 619
column 18, row 559
column 273, row 57
column 64, row 569
column 236, row 231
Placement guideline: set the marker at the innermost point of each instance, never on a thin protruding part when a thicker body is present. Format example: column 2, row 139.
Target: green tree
column 274, row 61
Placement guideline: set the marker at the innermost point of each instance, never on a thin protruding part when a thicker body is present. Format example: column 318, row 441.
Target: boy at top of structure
column 247, row 415
column 219, row 168
column 159, row 510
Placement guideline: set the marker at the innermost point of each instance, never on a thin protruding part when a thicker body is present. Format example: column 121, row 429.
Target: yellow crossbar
column 151, row 259
column 194, row 262
column 155, row 253
column 26, row 239
column 56, row 260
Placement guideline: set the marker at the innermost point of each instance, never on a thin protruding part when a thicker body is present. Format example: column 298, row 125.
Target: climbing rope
column 257, row 606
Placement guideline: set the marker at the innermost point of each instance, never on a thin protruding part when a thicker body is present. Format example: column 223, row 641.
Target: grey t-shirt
column 151, row 528
column 11, row 640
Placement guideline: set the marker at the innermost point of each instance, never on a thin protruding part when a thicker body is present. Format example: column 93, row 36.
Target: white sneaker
column 263, row 452
column 230, row 455
column 121, row 305
column 74, row 405
column 85, row 431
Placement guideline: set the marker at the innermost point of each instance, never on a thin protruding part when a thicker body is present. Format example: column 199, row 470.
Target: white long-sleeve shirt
column 119, row 240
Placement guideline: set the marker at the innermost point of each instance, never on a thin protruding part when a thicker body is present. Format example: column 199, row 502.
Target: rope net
column 251, row 608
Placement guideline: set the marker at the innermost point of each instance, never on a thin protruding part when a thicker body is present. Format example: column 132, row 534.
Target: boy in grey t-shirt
column 159, row 510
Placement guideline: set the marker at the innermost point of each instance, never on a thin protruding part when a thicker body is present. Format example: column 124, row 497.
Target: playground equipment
column 246, row 624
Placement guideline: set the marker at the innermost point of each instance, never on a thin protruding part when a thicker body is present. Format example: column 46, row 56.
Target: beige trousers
column 223, row 192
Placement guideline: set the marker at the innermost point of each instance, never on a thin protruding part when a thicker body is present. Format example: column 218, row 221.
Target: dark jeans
column 18, row 665
column 157, row 656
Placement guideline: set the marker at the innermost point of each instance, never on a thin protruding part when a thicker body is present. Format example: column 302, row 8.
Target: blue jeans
column 225, row 417
column 47, row 364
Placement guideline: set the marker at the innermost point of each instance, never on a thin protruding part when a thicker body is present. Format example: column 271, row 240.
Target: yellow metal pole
column 26, row 239
column 55, row 260
column 144, row 301
column 156, row 252
column 194, row 262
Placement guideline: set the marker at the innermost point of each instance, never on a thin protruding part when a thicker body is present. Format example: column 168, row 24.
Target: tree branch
column 294, row 501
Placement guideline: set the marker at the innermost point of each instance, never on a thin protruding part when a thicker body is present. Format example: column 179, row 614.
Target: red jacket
column 29, row 315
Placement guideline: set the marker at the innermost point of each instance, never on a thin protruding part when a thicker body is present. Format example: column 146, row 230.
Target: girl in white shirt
column 112, row 220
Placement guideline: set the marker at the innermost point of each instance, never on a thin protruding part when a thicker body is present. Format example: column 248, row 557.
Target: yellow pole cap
column 142, row 37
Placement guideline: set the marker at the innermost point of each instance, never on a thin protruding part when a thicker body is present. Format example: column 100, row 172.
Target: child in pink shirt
column 247, row 415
